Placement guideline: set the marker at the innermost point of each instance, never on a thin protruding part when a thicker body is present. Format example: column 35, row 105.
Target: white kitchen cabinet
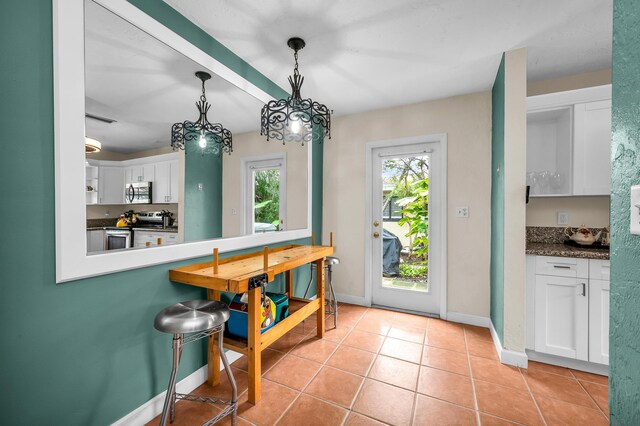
column 569, row 143
column 165, row 186
column 567, row 307
column 95, row 240
column 111, row 185
column 562, row 316
column 144, row 238
column 140, row 173
column 599, row 321
column 592, row 148
column 549, row 151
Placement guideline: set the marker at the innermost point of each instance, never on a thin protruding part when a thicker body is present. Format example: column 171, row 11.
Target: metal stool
column 200, row 318
column 332, row 307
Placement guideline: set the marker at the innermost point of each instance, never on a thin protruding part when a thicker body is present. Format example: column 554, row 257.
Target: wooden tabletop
column 234, row 272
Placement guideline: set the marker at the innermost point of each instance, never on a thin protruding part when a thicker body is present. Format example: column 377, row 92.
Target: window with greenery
column 267, row 199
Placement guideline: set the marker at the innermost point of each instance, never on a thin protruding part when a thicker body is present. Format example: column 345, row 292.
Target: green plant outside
column 415, row 213
column 267, row 197
column 408, row 270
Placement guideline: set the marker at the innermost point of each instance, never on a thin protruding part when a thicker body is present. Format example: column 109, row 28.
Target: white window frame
column 250, row 165
column 72, row 261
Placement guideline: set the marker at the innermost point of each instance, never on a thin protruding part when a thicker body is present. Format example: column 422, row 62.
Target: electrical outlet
column 234, row 211
column 199, row 186
column 563, row 218
column 462, row 211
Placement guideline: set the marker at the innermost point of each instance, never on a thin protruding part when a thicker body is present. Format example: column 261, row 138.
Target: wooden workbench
column 232, row 275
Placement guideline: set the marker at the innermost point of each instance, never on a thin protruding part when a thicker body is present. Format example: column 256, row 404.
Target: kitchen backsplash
column 550, row 234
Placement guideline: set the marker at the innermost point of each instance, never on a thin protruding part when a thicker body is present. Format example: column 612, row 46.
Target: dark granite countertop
column 562, row 250
column 172, row 229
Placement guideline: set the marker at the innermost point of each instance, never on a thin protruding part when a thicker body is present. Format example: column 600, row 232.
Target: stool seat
column 331, row 260
column 191, row 316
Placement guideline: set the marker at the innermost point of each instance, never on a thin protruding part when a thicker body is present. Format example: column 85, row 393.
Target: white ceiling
column 147, row 86
column 363, row 55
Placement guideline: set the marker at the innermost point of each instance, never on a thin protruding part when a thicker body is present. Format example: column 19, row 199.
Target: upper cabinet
column 592, row 148
column 139, row 173
column 111, row 185
column 569, row 143
column 107, row 179
column 165, row 187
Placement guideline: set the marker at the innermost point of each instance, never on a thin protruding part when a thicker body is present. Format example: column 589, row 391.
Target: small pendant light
column 212, row 138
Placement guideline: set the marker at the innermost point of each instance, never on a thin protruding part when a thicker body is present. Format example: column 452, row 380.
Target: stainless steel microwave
column 137, row 193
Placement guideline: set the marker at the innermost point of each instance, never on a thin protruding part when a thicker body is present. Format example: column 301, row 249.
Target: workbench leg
column 254, row 347
column 320, row 292
column 213, row 353
column 288, row 278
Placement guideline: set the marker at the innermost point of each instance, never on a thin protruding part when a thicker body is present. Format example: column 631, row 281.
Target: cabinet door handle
column 562, row 267
column 584, row 289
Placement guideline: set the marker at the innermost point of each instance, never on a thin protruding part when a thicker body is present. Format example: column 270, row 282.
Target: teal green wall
column 84, row 352
column 624, row 340
column 497, row 202
column 202, row 209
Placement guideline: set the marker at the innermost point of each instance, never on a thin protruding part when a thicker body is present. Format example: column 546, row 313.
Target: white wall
column 251, row 145
column 591, row 211
column 515, row 166
column 467, row 122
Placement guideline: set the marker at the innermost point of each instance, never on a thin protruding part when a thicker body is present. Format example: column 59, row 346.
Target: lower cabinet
column 154, row 238
column 569, row 301
column 599, row 321
column 95, row 240
column 562, row 317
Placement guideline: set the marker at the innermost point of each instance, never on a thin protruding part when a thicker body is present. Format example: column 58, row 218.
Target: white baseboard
column 518, row 359
column 353, row 300
column 575, row 364
column 153, row 408
column 476, row 320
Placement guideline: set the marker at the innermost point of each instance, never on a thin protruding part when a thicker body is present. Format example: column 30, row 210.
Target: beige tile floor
column 383, row 367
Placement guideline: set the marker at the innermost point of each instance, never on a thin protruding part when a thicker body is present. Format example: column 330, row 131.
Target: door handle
column 584, row 289
column 376, row 235
column 376, row 223
column 561, row 267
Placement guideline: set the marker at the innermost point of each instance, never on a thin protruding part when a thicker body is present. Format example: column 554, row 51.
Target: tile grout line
column 415, row 393
column 591, row 397
column 473, row 383
column 533, row 396
column 301, row 392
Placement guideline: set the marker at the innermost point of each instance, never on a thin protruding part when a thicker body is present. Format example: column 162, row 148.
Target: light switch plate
column 635, row 210
column 563, row 218
column 462, row 211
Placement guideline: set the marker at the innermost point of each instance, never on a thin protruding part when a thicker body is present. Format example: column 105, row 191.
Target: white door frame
column 441, row 140
column 269, row 161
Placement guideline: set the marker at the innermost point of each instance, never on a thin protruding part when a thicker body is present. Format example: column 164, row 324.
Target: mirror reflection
column 140, row 193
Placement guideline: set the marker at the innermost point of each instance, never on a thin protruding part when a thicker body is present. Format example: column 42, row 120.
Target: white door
column 174, row 187
column 407, row 258
column 562, row 316
column 599, row 321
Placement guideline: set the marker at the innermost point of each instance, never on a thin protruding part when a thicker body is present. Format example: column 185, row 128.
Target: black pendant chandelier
column 294, row 119
column 212, row 138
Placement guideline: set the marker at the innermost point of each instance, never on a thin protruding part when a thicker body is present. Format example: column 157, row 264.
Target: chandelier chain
column 295, row 69
column 203, row 97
